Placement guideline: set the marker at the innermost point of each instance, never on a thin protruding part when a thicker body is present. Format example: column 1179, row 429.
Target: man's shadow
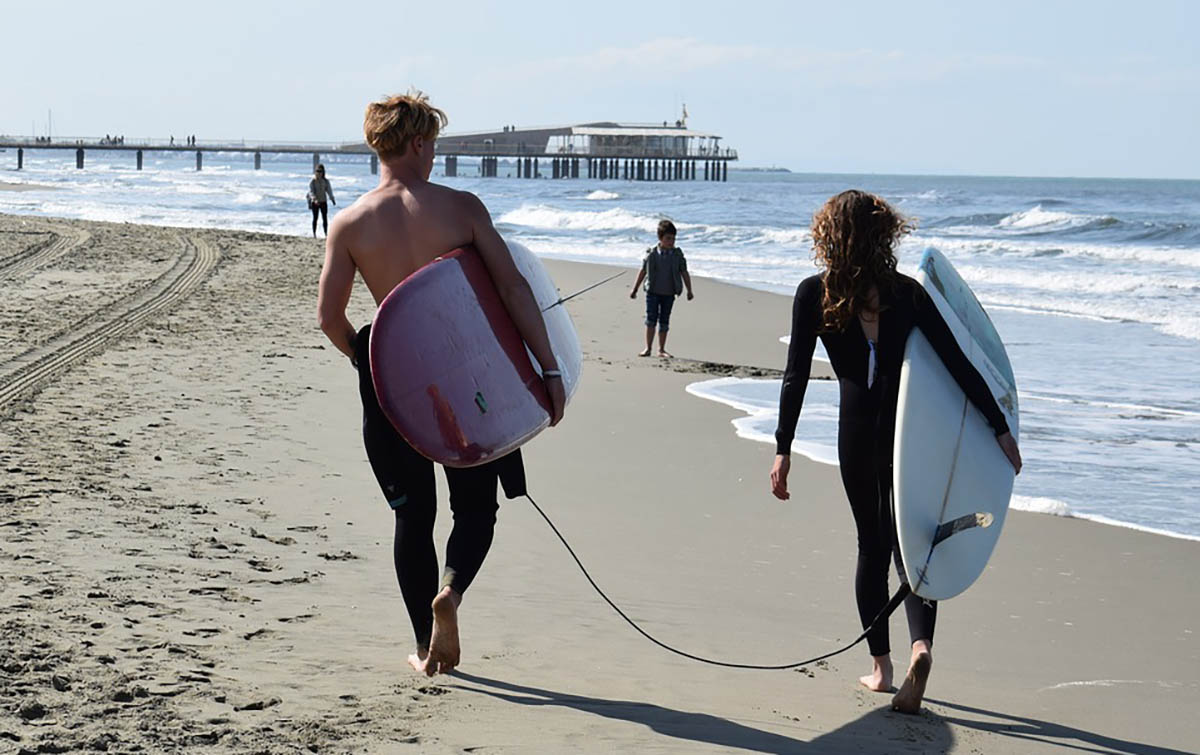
column 880, row 730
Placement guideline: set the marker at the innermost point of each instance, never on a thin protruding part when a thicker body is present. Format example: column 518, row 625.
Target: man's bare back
column 392, row 231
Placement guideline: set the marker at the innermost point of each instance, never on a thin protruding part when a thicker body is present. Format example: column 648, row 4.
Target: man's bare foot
column 880, row 678
column 417, row 660
column 644, row 353
column 664, row 355
column 443, row 646
column 908, row 699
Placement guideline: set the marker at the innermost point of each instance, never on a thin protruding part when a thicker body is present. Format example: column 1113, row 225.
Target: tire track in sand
column 30, row 258
column 37, row 366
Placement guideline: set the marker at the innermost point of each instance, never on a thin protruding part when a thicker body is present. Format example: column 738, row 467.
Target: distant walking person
column 664, row 271
column 318, row 189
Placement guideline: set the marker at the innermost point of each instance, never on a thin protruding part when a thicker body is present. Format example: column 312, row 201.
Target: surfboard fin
column 966, row 522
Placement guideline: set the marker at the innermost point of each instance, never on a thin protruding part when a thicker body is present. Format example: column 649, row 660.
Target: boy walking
column 663, row 276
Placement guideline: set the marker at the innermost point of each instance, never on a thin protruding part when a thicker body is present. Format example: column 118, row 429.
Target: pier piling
column 139, row 159
column 316, row 161
column 374, row 165
column 20, row 158
column 258, row 161
column 79, row 158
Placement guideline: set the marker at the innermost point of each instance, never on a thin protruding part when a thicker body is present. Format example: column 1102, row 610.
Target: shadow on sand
column 880, row 730
column 1045, row 732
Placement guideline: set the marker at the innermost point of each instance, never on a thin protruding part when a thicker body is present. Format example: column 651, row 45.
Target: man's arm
column 517, row 296
column 333, row 294
column 687, row 281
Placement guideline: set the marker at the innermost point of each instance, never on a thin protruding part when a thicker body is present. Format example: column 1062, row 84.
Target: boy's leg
column 651, row 321
column 664, row 323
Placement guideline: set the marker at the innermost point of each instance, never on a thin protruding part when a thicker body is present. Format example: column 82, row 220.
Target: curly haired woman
column 863, row 310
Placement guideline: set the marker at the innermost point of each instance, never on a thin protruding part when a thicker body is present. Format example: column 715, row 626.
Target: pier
column 602, row 151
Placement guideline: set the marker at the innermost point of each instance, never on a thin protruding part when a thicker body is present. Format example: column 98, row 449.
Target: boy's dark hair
column 665, row 227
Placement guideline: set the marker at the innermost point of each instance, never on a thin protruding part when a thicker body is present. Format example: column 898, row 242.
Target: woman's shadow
column 880, row 730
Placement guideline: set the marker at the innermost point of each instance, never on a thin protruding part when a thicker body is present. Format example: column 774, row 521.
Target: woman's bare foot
column 443, row 646
column 645, row 352
column 880, row 678
column 417, row 660
column 663, row 354
column 912, row 692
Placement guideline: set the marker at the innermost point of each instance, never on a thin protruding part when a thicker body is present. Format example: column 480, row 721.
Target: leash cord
column 887, row 611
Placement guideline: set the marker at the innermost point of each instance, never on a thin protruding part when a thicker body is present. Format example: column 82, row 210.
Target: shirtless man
column 389, row 233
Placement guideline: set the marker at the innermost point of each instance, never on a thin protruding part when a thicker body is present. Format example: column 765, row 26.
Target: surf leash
column 883, row 615
column 569, row 297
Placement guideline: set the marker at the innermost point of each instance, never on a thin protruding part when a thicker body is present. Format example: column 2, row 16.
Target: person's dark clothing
column 658, row 311
column 664, row 269
column 867, row 421
column 407, row 481
column 322, row 209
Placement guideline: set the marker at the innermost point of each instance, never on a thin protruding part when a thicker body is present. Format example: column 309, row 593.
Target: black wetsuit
column 407, row 481
column 867, row 422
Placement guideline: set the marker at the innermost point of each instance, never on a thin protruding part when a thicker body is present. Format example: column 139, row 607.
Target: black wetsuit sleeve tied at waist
column 799, row 362
column 930, row 321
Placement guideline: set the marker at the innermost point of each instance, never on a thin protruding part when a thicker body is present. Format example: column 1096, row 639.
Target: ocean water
column 1093, row 284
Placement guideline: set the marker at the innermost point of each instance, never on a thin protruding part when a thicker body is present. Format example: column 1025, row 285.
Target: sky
column 1091, row 89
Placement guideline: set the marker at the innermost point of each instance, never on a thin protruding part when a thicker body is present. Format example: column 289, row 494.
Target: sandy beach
column 196, row 555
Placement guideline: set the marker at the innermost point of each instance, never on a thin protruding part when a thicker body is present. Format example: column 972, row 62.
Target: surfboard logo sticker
column 481, row 402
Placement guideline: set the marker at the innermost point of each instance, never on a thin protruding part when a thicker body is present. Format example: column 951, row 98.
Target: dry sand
column 195, row 554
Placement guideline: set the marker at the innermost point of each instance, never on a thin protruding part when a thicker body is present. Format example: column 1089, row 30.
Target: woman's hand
column 779, row 475
column 1009, row 446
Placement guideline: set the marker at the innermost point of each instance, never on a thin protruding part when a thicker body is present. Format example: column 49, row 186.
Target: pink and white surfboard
column 450, row 368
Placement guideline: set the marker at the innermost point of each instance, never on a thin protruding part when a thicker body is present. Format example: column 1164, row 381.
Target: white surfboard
column 952, row 481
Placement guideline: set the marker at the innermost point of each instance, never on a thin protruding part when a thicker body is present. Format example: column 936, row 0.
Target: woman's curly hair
column 853, row 238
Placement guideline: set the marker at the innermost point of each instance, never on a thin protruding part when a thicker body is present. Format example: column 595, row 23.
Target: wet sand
column 196, row 554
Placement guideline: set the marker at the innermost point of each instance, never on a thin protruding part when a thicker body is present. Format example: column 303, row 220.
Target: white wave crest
column 1041, row 219
column 957, row 249
column 1039, row 505
column 785, row 237
column 601, row 194
column 616, row 219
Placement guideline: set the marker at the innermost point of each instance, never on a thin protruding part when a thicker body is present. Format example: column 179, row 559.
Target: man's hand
column 691, row 296
column 633, row 294
column 779, row 475
column 558, row 398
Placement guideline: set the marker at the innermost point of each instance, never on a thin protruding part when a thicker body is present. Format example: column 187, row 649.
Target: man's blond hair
column 391, row 123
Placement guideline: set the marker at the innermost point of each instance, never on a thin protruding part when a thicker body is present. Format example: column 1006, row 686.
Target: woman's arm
column 799, row 362
column 795, row 380
column 930, row 321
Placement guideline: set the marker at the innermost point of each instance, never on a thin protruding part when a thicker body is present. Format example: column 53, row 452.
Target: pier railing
column 468, row 149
